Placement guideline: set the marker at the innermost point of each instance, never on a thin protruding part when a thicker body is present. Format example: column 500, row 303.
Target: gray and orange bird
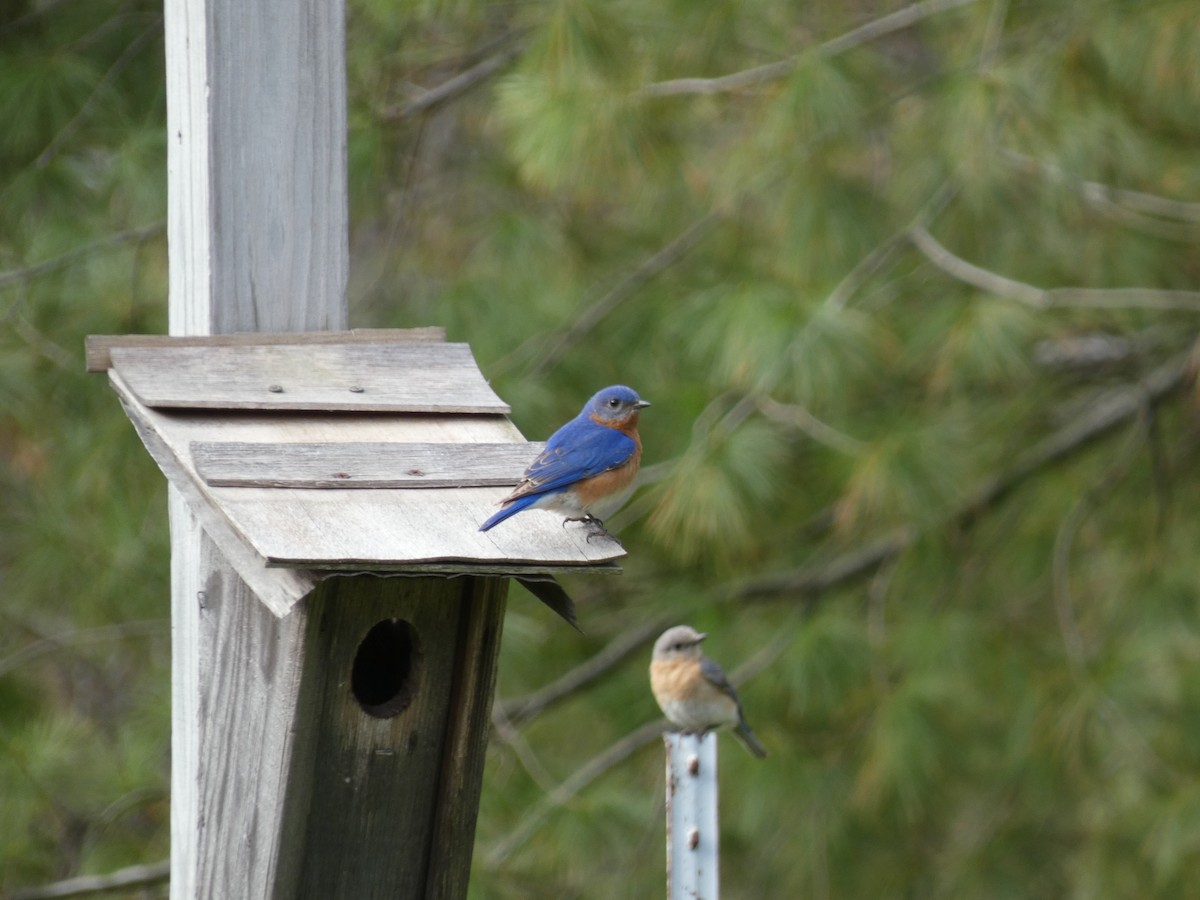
column 692, row 690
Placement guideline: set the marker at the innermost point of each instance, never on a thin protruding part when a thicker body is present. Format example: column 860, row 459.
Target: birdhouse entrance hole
column 386, row 669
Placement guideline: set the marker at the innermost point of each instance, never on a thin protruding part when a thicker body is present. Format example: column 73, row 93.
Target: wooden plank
column 257, row 212
column 435, row 378
column 452, row 835
column 385, row 807
column 336, row 529
column 278, row 591
column 363, row 466
column 239, row 721
column 98, row 347
column 257, row 237
column 398, row 529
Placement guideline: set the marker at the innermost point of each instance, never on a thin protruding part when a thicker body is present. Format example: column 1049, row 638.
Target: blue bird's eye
column 614, row 402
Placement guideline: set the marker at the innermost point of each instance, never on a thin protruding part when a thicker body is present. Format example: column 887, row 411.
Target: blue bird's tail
column 511, row 510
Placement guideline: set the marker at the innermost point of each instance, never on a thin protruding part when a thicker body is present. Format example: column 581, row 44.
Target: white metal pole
column 692, row 837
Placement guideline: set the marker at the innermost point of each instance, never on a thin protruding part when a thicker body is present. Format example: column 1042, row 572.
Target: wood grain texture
column 349, row 529
column 412, row 377
column 98, row 347
column 256, row 159
column 245, row 725
column 349, row 464
column 385, row 807
column 193, row 514
column 460, row 786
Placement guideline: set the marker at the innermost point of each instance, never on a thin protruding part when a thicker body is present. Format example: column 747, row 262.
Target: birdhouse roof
column 339, row 452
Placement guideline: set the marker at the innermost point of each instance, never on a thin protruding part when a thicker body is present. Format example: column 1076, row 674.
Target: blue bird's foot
column 598, row 529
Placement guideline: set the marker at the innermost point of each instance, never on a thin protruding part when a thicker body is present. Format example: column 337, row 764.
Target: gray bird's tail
column 749, row 741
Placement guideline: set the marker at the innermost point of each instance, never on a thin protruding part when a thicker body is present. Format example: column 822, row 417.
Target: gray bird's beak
column 642, row 404
column 701, row 637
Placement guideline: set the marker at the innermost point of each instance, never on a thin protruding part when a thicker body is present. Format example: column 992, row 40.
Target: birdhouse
column 343, row 637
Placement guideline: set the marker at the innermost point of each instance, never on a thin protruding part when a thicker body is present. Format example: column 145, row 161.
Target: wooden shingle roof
column 310, row 454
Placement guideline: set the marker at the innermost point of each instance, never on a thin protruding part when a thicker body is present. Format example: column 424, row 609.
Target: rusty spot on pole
column 693, row 838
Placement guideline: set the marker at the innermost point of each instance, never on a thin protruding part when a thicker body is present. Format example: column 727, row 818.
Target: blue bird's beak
column 642, row 404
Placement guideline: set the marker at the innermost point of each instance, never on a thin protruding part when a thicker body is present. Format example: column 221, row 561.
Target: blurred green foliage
column 722, row 205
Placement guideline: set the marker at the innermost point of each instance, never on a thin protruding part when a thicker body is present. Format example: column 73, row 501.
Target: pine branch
column 461, row 83
column 800, row 418
column 580, row 779
column 1137, row 201
column 863, row 34
column 87, row 885
column 1043, row 298
column 52, row 644
column 1111, row 410
column 27, row 273
column 569, row 335
column 883, row 252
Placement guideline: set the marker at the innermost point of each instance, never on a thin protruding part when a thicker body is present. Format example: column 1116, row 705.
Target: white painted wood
column 423, row 377
column 187, row 543
column 693, row 839
column 257, row 206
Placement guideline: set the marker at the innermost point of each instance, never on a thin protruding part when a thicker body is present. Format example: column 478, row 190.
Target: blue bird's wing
column 578, row 450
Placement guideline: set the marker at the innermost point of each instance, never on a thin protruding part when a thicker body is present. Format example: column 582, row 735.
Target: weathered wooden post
column 693, row 839
column 328, row 725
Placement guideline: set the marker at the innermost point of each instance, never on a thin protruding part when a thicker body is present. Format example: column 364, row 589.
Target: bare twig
column 57, row 262
column 461, row 83
column 877, row 258
column 799, row 417
column 876, row 619
column 53, row 643
column 870, row 31
column 580, row 779
column 568, row 336
column 517, row 711
column 48, row 349
column 126, row 57
column 1137, row 201
column 1043, row 298
column 511, row 737
column 87, row 885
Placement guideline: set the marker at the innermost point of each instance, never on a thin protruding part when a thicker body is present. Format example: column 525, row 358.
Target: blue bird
column 594, row 456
